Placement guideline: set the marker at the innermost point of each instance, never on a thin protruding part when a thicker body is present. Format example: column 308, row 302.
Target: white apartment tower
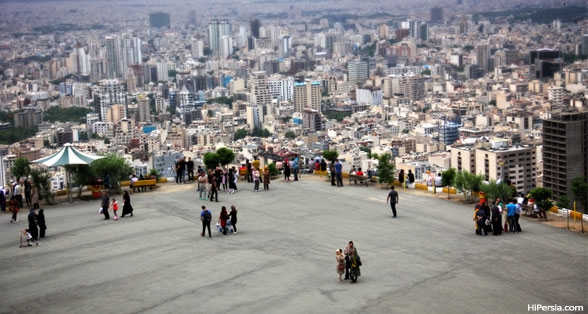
column 216, row 30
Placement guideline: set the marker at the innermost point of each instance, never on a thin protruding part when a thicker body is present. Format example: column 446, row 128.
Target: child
column 13, row 207
column 340, row 263
column 28, row 236
column 114, row 206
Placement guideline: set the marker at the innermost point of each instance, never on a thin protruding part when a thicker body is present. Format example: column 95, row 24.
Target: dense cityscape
column 493, row 88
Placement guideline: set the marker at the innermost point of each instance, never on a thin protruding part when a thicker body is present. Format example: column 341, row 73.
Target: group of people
column 37, row 225
column 224, row 219
column 215, row 180
column 184, row 167
column 106, row 203
column 348, row 263
column 490, row 219
column 12, row 197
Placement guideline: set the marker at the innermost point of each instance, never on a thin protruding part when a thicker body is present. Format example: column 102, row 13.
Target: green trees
column 562, row 202
column 542, row 197
column 211, row 160
column 385, row 169
column 448, row 178
column 21, row 168
column 468, row 183
column 290, row 134
column 580, row 190
column 225, row 156
column 330, row 155
column 273, row 169
column 240, row 134
column 115, row 166
column 72, row 114
column 495, row 190
column 41, row 178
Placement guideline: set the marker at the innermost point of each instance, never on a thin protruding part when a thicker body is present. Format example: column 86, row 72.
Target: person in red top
column 359, row 172
column 224, row 216
column 114, row 206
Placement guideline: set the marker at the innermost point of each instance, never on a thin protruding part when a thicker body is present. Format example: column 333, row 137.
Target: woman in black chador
column 127, row 208
column 33, row 230
column 41, row 223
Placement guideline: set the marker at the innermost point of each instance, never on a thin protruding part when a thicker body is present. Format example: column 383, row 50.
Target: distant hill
column 538, row 15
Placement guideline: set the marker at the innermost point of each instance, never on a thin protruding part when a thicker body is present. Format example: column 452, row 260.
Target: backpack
column 207, row 216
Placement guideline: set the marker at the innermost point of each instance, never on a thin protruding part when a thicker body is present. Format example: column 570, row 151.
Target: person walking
column 295, row 168
column 105, row 204
column 213, row 186
column 222, row 218
column 2, row 199
column 286, row 169
column 256, row 178
column 333, row 175
column 232, row 178
column 41, row 223
column 339, row 173
column 33, row 230
column 355, row 262
column 13, row 207
column 114, row 206
column 266, row 178
column 190, row 167
column 393, row 199
column 510, row 214
column 233, row 217
column 202, row 185
column 481, row 216
column 496, row 218
column 248, row 173
column 206, row 218
column 35, row 196
column 28, row 186
column 348, row 250
column 340, row 263
column 127, row 207
column 18, row 192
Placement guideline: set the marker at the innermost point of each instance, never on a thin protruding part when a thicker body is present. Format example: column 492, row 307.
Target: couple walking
column 348, row 262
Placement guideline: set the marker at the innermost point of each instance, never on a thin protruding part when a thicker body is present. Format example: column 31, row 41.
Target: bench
column 359, row 179
column 142, row 185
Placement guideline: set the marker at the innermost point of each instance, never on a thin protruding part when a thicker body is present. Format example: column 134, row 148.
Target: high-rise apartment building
column 311, row 119
column 260, row 91
column 358, row 71
column 281, row 88
column 159, row 20
column 565, row 151
column 436, row 15
column 121, row 52
column 143, row 109
column 216, row 30
column 109, row 93
column 483, row 56
column 197, row 48
column 254, row 25
column 307, row 95
column 544, row 63
column 585, row 44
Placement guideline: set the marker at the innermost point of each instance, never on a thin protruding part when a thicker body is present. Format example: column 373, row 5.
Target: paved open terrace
column 428, row 260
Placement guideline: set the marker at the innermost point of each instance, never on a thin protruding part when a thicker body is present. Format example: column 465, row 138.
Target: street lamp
column 501, row 163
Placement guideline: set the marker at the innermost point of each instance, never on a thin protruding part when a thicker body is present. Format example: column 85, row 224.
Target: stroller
column 228, row 226
column 29, row 238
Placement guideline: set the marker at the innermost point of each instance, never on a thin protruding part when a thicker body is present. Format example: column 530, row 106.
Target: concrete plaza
column 428, row 260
